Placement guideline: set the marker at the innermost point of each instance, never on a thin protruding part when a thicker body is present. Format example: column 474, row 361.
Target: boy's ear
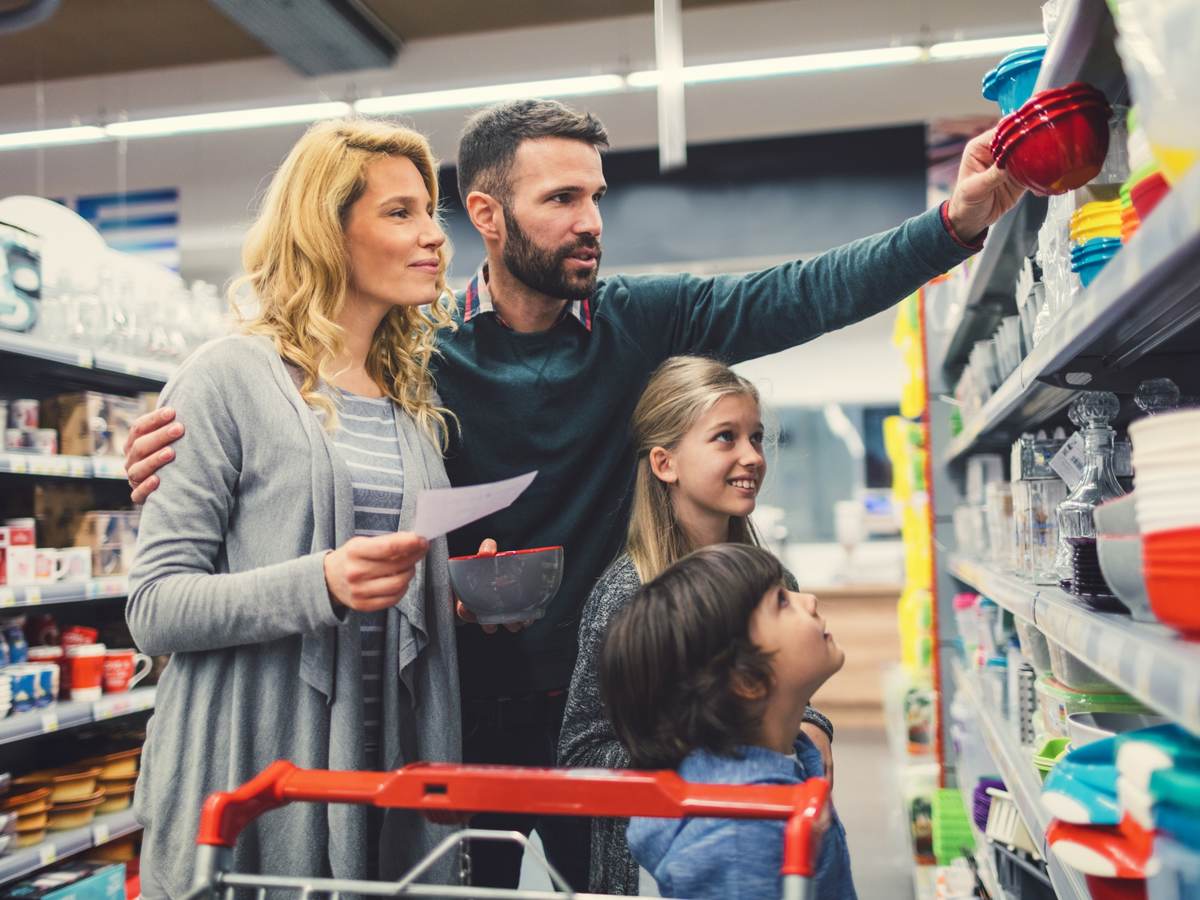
column 748, row 689
column 662, row 464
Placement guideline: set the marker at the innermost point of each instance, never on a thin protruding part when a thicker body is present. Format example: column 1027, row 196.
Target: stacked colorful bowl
column 1147, row 186
column 1166, row 463
column 1011, row 83
column 1130, row 222
column 1098, row 219
column 1056, row 141
column 1087, row 259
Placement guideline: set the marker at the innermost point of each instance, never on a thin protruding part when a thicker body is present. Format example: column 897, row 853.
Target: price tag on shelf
column 49, row 722
column 100, row 834
column 18, row 464
column 8, row 597
column 77, row 467
column 1069, row 462
column 85, row 359
column 47, row 854
column 33, row 596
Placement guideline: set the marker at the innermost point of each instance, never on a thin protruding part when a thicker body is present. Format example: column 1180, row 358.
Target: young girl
column 709, row 671
column 699, row 436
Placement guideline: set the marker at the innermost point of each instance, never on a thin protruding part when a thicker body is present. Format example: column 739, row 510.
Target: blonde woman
column 303, row 621
column 699, row 437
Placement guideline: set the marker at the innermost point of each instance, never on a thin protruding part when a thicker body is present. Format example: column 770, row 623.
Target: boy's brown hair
column 678, row 665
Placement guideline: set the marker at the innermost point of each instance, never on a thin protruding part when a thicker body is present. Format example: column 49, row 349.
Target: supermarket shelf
column 1148, row 661
column 46, row 594
column 1147, row 296
column 63, row 715
column 60, row 845
column 35, row 358
column 1083, row 50
column 1015, row 766
column 990, row 292
column 62, row 466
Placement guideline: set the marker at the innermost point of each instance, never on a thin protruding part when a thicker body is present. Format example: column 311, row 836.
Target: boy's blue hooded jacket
column 738, row 859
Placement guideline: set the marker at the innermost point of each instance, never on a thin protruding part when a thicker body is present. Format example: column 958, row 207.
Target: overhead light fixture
column 51, row 137
column 232, row 120
column 228, row 120
column 786, row 65
column 493, row 93
column 985, row 46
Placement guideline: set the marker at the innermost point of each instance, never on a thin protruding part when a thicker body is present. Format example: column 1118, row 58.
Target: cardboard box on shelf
column 90, row 423
column 112, row 537
column 72, row 881
column 57, row 507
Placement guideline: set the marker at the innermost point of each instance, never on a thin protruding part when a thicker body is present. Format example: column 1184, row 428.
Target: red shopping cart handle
column 438, row 787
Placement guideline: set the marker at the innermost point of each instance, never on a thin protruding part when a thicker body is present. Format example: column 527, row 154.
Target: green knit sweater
column 560, row 401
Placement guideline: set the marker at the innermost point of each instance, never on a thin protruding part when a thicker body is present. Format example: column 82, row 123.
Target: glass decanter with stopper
column 1091, row 412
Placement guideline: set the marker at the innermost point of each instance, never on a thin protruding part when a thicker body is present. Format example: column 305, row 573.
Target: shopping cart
column 443, row 790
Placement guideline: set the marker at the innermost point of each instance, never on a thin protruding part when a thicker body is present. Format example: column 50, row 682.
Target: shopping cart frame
column 445, row 791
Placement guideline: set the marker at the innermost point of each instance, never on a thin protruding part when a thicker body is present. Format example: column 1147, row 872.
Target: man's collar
column 479, row 300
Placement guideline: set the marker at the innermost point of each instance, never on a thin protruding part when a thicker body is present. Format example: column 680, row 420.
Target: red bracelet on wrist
column 976, row 244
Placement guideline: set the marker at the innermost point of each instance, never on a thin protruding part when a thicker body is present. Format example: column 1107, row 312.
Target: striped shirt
column 370, row 446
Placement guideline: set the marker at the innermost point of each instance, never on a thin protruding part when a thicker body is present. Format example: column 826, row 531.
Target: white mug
column 20, row 565
column 76, row 563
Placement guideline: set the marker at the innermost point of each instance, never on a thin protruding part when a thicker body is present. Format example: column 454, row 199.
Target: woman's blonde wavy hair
column 679, row 392
column 298, row 270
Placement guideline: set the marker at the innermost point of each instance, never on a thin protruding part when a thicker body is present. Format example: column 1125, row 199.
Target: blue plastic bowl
column 1011, row 83
column 1095, row 247
column 1090, row 267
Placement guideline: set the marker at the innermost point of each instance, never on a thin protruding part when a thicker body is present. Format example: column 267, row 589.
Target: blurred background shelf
column 60, row 845
column 30, row 595
column 31, row 359
column 72, row 714
column 57, row 465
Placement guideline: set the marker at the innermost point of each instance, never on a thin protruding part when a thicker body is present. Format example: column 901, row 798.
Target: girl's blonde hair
column 679, row 392
column 297, row 268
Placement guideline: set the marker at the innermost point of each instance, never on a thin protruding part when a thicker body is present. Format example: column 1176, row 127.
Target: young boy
column 709, row 671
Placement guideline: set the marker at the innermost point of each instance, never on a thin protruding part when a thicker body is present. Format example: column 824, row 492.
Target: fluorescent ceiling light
column 786, row 65
column 493, row 93
column 985, row 46
column 51, row 137
column 229, row 120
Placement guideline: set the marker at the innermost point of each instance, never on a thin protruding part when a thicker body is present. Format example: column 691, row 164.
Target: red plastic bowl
column 1040, row 114
column 1060, row 153
column 1147, row 193
column 1173, row 600
column 1035, row 110
column 1174, row 541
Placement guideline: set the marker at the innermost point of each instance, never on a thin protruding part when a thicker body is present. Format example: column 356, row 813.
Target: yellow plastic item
column 1175, row 161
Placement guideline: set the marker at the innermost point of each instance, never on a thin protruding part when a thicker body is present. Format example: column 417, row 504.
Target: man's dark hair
column 678, row 664
column 491, row 137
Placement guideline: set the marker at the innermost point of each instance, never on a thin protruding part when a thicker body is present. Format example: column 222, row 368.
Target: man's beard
column 545, row 270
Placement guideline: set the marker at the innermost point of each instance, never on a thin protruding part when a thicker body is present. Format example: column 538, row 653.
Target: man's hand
column 147, row 449
column 372, row 573
column 983, row 193
column 487, row 548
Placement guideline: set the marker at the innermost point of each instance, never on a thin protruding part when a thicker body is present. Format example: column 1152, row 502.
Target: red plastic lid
column 506, row 553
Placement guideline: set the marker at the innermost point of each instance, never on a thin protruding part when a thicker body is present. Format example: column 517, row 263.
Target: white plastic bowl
column 1182, row 425
column 1117, row 517
column 1088, row 727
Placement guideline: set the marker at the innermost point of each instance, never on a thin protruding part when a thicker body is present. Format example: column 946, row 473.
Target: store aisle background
column 867, row 793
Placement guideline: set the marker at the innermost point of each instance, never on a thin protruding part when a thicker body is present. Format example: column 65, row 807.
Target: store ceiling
column 100, row 37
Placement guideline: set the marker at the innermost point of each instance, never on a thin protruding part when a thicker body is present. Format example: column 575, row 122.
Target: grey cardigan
column 229, row 580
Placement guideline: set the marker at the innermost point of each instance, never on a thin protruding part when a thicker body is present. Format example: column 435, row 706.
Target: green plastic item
column 952, row 832
column 1045, row 757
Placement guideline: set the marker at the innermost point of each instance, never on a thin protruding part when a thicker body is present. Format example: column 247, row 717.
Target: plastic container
column 1058, row 702
column 1178, row 871
column 1034, row 646
column 1011, row 83
column 67, row 785
column 1089, row 727
column 1073, row 673
column 1051, row 145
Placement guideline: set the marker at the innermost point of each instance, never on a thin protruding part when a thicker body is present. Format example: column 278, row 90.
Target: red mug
column 123, row 669
column 75, row 635
column 85, row 665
